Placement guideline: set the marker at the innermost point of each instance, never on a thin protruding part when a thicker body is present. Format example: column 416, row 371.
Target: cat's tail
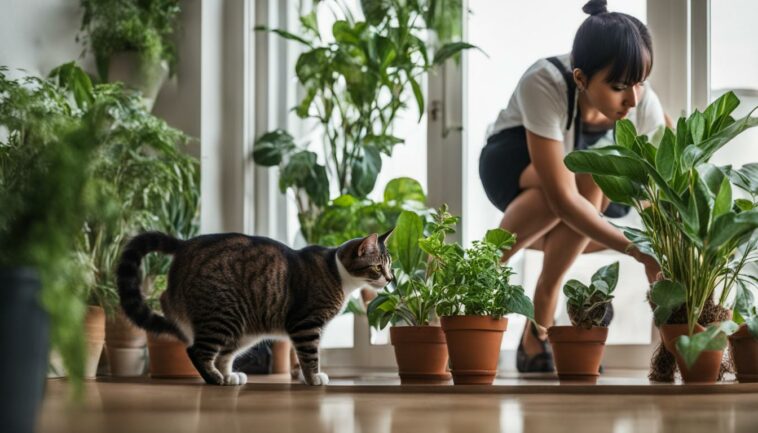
column 128, row 281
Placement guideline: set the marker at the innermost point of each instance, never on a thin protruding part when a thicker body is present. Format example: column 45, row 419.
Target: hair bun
column 595, row 7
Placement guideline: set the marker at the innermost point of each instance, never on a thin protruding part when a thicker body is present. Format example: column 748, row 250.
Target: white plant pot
column 126, row 361
column 127, row 67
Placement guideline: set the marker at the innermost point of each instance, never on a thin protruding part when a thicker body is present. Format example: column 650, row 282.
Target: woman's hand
column 652, row 268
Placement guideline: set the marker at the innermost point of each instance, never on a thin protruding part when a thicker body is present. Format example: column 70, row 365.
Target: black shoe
column 539, row 362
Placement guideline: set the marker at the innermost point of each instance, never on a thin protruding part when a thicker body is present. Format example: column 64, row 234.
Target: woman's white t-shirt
column 539, row 103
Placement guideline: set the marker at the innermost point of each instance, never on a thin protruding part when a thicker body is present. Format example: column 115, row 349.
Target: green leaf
column 602, row 287
column 383, row 143
column 608, row 274
column 285, row 34
column 303, row 108
column 519, row 303
column 723, row 202
column 499, row 238
column 619, row 189
column 730, row 226
column 696, row 126
column 710, row 145
column 626, row 133
column 418, row 94
column 365, row 169
column 746, row 178
column 271, row 147
column 375, row 10
column 310, row 22
column 403, row 244
column 610, row 161
column 404, row 189
column 713, row 338
column 449, row 50
column 575, row 290
column 667, row 295
column 665, row 159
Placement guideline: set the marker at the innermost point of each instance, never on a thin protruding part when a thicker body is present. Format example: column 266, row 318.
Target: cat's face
column 367, row 261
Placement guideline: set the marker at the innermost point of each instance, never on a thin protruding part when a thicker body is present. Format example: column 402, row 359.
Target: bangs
column 632, row 64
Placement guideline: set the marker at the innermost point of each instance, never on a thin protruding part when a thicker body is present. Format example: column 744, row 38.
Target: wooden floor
column 378, row 404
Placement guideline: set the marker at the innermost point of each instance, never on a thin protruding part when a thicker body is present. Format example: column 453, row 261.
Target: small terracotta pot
column 421, row 354
column 706, row 368
column 168, row 357
column 473, row 343
column 94, row 331
column 577, row 351
column 124, row 346
column 745, row 348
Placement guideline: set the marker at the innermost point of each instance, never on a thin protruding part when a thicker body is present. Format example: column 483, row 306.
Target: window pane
column 734, row 66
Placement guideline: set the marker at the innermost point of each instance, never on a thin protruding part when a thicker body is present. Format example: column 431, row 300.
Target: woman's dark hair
column 612, row 38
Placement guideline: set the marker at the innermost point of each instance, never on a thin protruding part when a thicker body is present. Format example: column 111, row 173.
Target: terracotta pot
column 125, row 346
column 706, row 368
column 473, row 343
column 577, row 351
column 745, row 348
column 168, row 357
column 94, row 332
column 421, row 354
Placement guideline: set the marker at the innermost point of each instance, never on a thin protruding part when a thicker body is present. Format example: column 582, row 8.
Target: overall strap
column 570, row 84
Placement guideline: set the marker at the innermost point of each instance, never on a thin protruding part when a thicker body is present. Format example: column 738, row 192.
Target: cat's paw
column 235, row 379
column 320, row 379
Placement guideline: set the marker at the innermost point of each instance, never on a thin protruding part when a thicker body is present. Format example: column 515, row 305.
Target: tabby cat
column 226, row 292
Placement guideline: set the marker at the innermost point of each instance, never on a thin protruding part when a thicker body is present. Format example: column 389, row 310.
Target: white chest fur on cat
column 349, row 282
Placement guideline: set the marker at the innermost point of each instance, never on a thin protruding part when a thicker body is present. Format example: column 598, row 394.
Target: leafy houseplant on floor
column 578, row 349
column 133, row 41
column 420, row 347
column 356, row 81
column 45, row 190
column 474, row 297
column 693, row 226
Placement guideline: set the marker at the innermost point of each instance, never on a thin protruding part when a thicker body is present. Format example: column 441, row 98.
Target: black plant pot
column 24, row 328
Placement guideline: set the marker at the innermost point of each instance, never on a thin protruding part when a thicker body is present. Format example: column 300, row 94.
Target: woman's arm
column 563, row 196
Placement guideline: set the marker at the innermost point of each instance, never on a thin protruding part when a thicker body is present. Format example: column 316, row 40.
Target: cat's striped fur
column 228, row 291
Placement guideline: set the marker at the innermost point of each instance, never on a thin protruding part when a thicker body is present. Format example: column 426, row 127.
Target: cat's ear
column 383, row 238
column 368, row 245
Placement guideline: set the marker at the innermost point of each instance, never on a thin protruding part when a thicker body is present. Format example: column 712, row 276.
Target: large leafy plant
column 356, row 81
column 693, row 224
column 412, row 297
column 472, row 281
column 588, row 305
column 47, row 145
column 145, row 26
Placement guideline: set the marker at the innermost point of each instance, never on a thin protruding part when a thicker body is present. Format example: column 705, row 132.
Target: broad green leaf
column 345, row 34
column 375, row 10
column 715, row 142
column 602, row 287
column 743, row 301
column 723, row 202
column 665, row 160
column 720, row 108
column 383, row 143
column 519, row 303
column 608, row 274
column 704, row 205
column 746, row 177
column 270, row 148
column 418, row 94
column 403, row 244
column 696, row 126
column 713, row 338
column 626, row 133
column 365, row 169
column 730, row 226
column 310, row 22
column 303, row 108
column 345, row 200
column 667, row 295
column 311, row 64
column 499, row 238
column 609, row 161
column 404, row 189
column 574, row 289
column 681, row 138
column 619, row 189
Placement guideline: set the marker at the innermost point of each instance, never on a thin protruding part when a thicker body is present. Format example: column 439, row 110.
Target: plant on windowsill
column 356, row 81
column 132, row 41
column 420, row 347
column 578, row 349
column 473, row 297
column 693, row 227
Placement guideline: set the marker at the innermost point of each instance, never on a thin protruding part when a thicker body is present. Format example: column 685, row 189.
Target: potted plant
column 45, row 189
column 578, row 349
column 745, row 340
column 167, row 355
column 693, row 226
column 355, row 84
column 420, row 345
column 474, row 296
column 132, row 41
